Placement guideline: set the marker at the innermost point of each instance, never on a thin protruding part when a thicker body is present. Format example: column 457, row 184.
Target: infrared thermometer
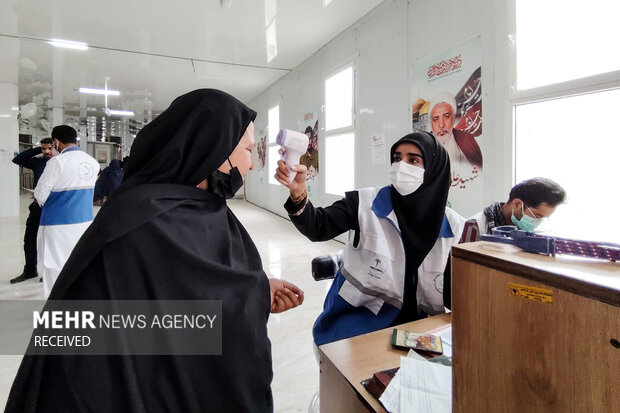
column 294, row 144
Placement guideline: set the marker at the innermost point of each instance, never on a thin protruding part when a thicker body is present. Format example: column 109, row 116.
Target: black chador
column 161, row 238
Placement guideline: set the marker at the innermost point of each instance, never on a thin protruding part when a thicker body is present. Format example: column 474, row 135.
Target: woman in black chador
column 167, row 234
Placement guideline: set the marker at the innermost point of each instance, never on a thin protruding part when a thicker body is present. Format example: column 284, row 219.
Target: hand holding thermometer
column 294, row 144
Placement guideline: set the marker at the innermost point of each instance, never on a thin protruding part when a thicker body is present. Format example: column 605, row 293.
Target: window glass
column 339, row 100
column 573, row 142
column 561, row 40
column 273, row 119
column 339, row 160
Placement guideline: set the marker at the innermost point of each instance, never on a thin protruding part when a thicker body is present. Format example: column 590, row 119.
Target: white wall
column 383, row 45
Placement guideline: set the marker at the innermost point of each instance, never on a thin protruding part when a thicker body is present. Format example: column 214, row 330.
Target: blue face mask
column 526, row 223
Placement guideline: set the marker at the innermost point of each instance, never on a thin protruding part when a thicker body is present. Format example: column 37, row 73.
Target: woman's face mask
column 225, row 185
column 526, row 223
column 406, row 178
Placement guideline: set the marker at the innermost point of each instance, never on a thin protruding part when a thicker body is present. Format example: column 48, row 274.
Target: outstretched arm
column 318, row 224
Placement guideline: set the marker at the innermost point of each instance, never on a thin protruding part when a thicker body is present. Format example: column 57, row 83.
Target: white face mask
column 406, row 178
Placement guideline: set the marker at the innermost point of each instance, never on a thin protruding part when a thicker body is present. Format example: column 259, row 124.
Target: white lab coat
column 65, row 193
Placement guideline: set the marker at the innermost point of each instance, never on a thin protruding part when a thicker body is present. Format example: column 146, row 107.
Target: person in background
column 65, row 193
column 400, row 238
column 529, row 202
column 109, row 179
column 167, row 234
column 30, row 159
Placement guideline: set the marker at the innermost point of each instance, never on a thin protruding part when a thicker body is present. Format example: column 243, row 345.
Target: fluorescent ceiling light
column 5, row 115
column 271, row 10
column 120, row 112
column 99, row 91
column 68, row 44
column 272, row 43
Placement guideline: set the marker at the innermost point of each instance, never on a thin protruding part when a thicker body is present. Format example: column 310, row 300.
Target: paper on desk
column 415, row 355
column 424, row 387
column 391, row 396
column 419, row 386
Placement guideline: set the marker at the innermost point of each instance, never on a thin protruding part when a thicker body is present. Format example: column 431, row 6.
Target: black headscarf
column 421, row 213
column 188, row 141
column 161, row 238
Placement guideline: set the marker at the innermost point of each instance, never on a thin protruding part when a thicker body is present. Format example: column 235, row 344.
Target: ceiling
column 152, row 51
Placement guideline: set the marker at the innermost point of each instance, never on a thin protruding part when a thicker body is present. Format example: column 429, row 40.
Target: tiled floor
column 286, row 254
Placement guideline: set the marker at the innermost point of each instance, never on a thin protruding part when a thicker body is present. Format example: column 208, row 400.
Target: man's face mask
column 406, row 178
column 526, row 223
column 225, row 185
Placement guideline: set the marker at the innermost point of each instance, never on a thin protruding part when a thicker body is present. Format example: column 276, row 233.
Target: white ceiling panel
column 153, row 50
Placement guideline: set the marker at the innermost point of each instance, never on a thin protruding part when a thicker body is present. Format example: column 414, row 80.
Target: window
column 568, row 89
column 338, row 165
column 579, row 154
column 273, row 127
column 339, row 100
column 561, row 40
column 339, row 132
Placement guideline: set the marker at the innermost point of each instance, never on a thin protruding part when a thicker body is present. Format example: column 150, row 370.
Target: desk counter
column 345, row 363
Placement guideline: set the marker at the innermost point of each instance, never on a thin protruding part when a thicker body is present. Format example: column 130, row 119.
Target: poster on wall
column 309, row 124
column 378, row 148
column 446, row 100
column 260, row 137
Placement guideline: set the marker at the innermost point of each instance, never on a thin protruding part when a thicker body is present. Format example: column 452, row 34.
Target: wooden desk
column 345, row 363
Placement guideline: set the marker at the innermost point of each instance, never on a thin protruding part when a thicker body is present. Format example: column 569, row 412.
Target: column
column 9, row 127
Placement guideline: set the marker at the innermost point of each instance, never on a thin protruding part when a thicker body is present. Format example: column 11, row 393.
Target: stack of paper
column 420, row 385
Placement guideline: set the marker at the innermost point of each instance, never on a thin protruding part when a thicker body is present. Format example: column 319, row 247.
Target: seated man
column 528, row 203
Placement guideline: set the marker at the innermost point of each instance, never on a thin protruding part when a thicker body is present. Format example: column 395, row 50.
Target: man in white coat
column 65, row 193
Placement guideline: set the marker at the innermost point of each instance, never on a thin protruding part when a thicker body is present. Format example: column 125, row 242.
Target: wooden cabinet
column 534, row 333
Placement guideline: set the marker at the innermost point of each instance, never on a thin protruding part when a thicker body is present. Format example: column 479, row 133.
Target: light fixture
column 68, row 44
column 5, row 115
column 99, row 91
column 119, row 112
column 272, row 43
